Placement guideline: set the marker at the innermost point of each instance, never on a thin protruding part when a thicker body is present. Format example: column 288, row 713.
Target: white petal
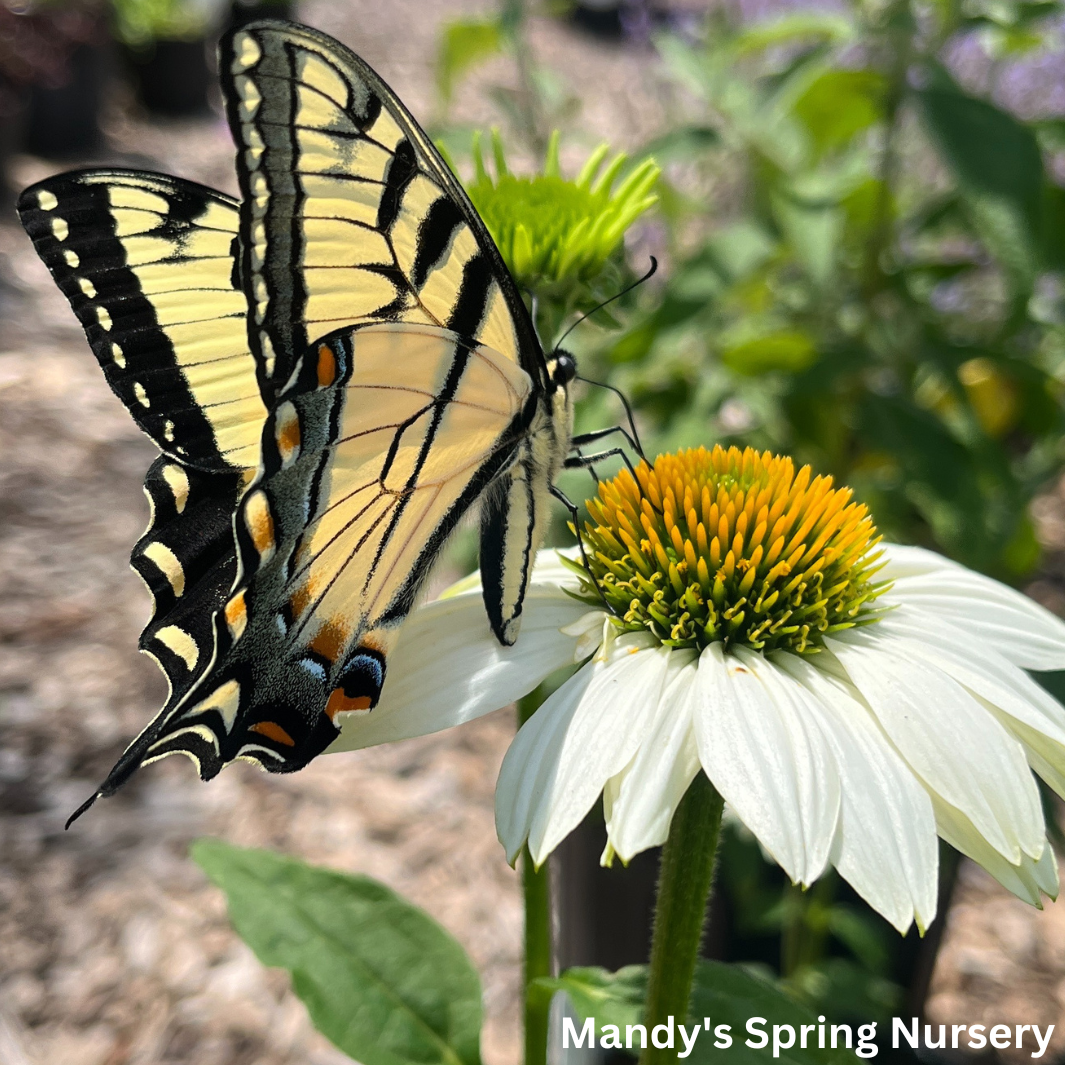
column 1024, row 632
column 886, row 848
column 951, row 742
column 448, row 667
column 1025, row 708
column 639, row 802
column 583, row 735
column 817, row 778
column 530, row 761
column 1027, row 879
column 765, row 760
column 606, row 732
column 901, row 560
column 548, row 572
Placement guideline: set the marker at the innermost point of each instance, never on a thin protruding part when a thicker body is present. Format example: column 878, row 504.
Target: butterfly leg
column 602, row 434
column 587, row 462
column 574, row 515
column 634, row 438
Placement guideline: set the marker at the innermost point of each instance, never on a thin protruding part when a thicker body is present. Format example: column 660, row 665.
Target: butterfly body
column 337, row 369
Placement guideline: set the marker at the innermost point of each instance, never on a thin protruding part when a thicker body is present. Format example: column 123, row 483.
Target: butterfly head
column 561, row 368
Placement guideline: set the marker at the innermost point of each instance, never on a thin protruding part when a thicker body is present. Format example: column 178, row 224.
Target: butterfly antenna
column 636, row 284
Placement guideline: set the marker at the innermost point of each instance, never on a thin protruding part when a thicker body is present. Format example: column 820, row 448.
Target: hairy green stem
column 684, row 881
column 536, row 888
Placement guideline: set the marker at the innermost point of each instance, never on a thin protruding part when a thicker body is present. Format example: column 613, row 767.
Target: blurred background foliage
column 863, row 260
column 862, row 266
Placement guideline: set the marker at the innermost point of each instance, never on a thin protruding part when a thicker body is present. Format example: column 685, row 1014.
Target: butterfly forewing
column 350, row 216
column 147, row 263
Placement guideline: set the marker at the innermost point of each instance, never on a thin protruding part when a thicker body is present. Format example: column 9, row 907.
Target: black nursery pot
column 64, row 120
column 173, row 77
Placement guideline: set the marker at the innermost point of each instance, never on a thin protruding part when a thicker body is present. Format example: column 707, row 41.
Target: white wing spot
column 46, row 200
column 87, row 287
column 250, row 53
column 60, row 229
column 71, row 258
column 103, row 318
column 250, row 98
column 168, row 565
column 142, row 396
column 118, row 355
column 177, row 481
column 180, row 642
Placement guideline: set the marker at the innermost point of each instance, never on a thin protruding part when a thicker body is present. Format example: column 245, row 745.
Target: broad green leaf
column 726, row 994
column 463, row 44
column 839, row 104
column 787, row 350
column 999, row 169
column 730, row 994
column 741, row 248
column 378, row 976
column 814, row 231
column 611, row 998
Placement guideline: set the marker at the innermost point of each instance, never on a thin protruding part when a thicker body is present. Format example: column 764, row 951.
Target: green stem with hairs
column 536, row 889
column 684, row 881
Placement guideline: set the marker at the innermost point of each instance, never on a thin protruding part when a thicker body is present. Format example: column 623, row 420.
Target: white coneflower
column 849, row 699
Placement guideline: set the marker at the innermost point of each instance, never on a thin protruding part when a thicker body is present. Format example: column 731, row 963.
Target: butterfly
column 335, row 367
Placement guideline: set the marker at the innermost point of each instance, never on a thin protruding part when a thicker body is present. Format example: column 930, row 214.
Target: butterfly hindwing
column 187, row 560
column 381, row 441
column 147, row 263
column 349, row 215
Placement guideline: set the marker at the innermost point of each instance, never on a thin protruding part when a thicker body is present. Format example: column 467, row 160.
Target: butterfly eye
column 565, row 367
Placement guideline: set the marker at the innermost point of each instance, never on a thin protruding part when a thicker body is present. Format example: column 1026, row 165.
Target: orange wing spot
column 237, row 615
column 287, row 432
column 272, row 731
column 300, row 600
column 327, row 366
column 260, row 523
column 331, row 640
column 341, row 703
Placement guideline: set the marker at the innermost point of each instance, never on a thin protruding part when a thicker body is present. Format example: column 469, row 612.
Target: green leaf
column 787, row 350
column 378, row 976
column 730, row 994
column 727, row 994
column 611, row 998
column 463, row 44
column 999, row 169
column 839, row 104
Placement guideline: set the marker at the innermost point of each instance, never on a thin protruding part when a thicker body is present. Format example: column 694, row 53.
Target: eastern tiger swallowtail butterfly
column 335, row 369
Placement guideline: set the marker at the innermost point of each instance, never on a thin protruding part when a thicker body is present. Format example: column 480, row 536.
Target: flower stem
column 536, row 888
column 684, row 881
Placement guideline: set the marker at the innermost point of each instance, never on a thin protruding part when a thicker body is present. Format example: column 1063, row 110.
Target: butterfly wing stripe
column 146, row 262
column 350, row 215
